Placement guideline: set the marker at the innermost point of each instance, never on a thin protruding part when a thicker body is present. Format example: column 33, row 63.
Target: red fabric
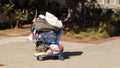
column 2, row 65
column 61, row 48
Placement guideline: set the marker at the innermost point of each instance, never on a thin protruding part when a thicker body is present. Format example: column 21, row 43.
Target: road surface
column 17, row 52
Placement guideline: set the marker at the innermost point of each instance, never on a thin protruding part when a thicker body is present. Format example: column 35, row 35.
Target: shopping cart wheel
column 40, row 58
column 62, row 58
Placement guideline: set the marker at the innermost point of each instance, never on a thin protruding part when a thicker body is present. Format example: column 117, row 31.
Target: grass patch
column 89, row 34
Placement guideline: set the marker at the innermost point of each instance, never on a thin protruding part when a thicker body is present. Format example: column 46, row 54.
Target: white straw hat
column 53, row 20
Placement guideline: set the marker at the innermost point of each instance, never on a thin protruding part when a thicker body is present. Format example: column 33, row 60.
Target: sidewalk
column 6, row 40
column 17, row 52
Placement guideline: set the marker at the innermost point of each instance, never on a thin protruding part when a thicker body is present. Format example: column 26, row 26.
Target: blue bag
column 50, row 37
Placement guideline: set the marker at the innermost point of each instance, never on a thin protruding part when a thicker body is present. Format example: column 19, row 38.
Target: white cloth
column 41, row 16
column 53, row 20
column 54, row 47
column 30, row 37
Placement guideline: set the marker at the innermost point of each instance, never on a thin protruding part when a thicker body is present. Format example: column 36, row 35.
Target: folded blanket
column 40, row 54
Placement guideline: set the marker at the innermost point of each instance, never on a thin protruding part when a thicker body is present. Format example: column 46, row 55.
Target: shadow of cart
column 67, row 55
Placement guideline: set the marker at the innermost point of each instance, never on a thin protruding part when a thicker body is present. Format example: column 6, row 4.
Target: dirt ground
column 14, row 32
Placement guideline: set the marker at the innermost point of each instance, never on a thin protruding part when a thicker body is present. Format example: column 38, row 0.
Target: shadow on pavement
column 67, row 55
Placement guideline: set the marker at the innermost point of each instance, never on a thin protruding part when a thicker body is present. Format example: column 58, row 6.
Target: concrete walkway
column 17, row 52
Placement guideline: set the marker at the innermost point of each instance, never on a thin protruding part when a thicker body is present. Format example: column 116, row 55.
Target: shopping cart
column 48, row 38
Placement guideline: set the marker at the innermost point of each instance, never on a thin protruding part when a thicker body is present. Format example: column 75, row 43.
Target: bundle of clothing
column 47, row 22
column 45, row 25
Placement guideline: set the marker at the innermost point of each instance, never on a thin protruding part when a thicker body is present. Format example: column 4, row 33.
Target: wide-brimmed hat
column 53, row 20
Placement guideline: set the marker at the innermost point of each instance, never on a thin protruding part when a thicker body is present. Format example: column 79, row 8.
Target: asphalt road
column 17, row 52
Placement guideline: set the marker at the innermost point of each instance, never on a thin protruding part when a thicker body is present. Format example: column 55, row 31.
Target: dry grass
column 15, row 32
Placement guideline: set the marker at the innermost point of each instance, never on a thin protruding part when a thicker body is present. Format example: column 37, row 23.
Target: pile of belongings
column 47, row 23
